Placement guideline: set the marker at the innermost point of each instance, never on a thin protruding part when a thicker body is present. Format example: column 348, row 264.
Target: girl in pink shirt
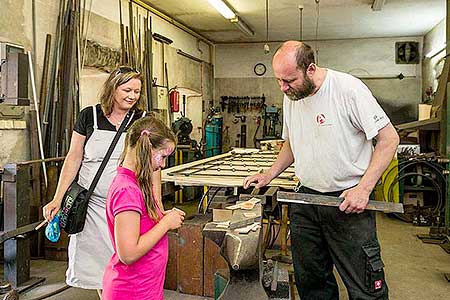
column 137, row 221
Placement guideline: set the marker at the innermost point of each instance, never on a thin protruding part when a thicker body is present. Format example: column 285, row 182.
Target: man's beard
column 308, row 87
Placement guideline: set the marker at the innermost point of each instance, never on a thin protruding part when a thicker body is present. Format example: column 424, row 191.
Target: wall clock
column 260, row 69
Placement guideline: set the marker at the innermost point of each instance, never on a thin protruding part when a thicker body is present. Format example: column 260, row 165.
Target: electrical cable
column 434, row 175
column 434, row 182
column 408, row 163
column 200, row 204
column 210, row 199
column 274, row 238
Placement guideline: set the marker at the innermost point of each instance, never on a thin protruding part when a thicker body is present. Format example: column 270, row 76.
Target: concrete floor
column 414, row 270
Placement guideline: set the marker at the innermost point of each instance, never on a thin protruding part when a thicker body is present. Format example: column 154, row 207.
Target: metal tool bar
column 6, row 235
column 315, row 199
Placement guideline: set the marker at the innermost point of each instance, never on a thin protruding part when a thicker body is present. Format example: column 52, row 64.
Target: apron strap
column 144, row 113
column 94, row 111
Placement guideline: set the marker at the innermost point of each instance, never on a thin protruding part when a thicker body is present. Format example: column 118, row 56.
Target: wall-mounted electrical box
column 13, row 75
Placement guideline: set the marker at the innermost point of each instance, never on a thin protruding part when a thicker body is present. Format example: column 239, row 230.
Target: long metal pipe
column 172, row 21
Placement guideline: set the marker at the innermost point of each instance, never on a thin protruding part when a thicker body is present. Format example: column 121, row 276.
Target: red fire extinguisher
column 174, row 101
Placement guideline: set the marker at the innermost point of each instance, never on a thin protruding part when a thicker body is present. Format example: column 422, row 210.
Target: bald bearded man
column 330, row 120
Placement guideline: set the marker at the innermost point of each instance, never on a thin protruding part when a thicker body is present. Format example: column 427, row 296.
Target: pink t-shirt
column 144, row 279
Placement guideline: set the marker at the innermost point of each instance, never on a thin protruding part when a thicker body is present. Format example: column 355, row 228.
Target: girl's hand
column 173, row 219
column 51, row 209
column 174, row 209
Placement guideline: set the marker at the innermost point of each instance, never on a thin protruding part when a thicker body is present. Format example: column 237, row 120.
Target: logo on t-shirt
column 377, row 119
column 323, row 121
column 320, row 119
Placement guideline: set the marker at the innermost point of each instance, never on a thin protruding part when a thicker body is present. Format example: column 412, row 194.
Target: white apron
column 90, row 250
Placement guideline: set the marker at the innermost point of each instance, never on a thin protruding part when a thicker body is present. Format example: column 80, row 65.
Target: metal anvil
column 244, row 256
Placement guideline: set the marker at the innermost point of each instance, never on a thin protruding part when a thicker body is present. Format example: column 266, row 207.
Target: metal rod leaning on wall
column 44, row 79
column 170, row 117
column 139, row 45
column 122, row 35
column 149, row 61
column 127, row 45
column 131, row 26
column 38, row 118
column 70, row 80
column 48, row 111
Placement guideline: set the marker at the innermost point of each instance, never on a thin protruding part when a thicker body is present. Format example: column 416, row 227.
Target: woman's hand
column 51, row 209
column 173, row 218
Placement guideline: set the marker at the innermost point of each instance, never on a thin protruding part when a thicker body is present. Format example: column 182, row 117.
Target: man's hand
column 355, row 201
column 261, row 179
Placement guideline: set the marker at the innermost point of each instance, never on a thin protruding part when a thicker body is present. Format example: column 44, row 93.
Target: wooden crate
column 190, row 255
column 170, row 282
column 212, row 262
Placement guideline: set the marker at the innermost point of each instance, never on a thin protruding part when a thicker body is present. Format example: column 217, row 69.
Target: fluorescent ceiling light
column 377, row 4
column 242, row 26
column 223, row 9
column 435, row 51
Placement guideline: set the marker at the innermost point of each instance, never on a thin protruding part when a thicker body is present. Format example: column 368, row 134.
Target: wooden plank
column 314, row 199
column 429, row 124
column 190, row 255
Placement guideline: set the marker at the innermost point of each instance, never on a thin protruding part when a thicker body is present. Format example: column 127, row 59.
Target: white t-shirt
column 331, row 132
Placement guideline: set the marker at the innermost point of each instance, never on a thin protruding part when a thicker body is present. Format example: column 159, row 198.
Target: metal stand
column 243, row 254
column 16, row 213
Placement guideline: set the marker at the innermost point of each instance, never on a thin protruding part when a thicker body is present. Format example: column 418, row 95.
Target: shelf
column 429, row 124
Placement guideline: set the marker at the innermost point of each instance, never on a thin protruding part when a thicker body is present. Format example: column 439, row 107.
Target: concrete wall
column 16, row 26
column 432, row 67
column 366, row 58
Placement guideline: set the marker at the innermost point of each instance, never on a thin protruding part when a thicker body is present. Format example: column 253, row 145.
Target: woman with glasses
column 94, row 130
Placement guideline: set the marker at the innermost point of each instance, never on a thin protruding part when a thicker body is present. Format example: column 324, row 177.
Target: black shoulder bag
column 75, row 202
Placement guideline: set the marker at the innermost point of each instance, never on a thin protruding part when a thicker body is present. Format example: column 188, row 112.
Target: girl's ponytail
column 144, row 171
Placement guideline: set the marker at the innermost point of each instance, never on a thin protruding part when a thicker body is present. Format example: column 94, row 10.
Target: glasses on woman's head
column 125, row 69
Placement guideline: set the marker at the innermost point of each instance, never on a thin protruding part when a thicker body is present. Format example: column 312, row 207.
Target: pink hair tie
column 145, row 132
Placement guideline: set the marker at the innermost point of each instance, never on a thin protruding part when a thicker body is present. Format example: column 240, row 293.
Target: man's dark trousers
column 323, row 237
